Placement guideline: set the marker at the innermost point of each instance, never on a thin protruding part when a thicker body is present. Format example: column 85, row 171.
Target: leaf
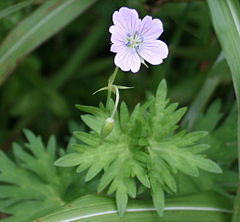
column 14, row 8
column 39, row 26
column 33, row 183
column 124, row 115
column 141, row 175
column 158, row 197
column 226, row 22
column 121, row 199
column 69, row 160
column 93, row 208
column 207, row 165
column 88, row 109
column 161, row 95
column 222, row 137
column 93, row 171
column 87, row 138
column 94, row 123
column 210, row 120
column 142, row 146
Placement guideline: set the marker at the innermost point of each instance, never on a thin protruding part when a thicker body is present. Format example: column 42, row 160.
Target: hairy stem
column 116, row 101
column 110, row 84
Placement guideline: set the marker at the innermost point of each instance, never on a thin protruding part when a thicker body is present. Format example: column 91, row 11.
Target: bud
column 107, row 127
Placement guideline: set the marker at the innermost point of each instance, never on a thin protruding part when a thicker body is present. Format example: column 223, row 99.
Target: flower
column 136, row 41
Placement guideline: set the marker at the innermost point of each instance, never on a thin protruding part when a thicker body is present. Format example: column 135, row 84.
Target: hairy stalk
column 110, row 84
column 116, row 101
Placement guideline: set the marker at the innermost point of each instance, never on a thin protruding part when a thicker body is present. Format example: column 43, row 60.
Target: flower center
column 134, row 41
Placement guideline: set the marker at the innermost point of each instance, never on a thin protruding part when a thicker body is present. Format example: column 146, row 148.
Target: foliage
column 32, row 183
column 99, row 208
column 52, row 58
column 222, row 136
column 143, row 145
column 62, row 67
column 223, row 142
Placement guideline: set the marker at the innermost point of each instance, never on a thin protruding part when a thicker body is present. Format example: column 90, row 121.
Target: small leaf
column 105, row 180
column 124, row 115
column 131, row 187
column 198, row 148
column 69, row 160
column 192, row 138
column 35, row 143
column 141, row 175
column 93, row 122
column 88, row 109
column 122, row 200
column 87, row 138
column 51, row 146
column 93, row 171
column 207, row 165
column 161, row 93
column 158, row 197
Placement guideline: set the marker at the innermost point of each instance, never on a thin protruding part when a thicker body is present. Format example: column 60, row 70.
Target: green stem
column 116, row 101
column 110, row 84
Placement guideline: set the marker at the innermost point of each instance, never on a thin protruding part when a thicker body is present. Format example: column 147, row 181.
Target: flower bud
column 107, row 127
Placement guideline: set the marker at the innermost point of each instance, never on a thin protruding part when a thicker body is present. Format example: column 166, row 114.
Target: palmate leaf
column 32, row 183
column 222, row 133
column 143, row 149
column 223, row 141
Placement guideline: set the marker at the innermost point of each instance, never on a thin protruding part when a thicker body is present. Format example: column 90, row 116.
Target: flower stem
column 116, row 101
column 110, row 85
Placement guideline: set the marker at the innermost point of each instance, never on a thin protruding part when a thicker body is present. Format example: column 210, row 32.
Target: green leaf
column 207, row 165
column 14, row 8
column 88, row 109
column 124, row 115
column 158, row 197
column 87, row 138
column 210, row 120
column 39, row 26
column 94, row 123
column 93, row 171
column 222, row 136
column 33, row 183
column 69, row 160
column 226, row 21
column 161, row 95
column 122, row 200
column 142, row 146
column 99, row 208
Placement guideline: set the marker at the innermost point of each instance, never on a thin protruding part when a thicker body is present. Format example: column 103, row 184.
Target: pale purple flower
column 136, row 41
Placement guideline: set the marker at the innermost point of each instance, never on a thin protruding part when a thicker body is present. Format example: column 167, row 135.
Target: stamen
column 134, row 41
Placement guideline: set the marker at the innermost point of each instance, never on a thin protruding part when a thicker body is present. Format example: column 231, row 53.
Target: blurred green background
column 42, row 87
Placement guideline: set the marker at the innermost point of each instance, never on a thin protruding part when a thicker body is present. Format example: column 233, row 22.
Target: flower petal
column 118, row 39
column 117, row 48
column 128, row 60
column 126, row 20
column 150, row 29
column 154, row 51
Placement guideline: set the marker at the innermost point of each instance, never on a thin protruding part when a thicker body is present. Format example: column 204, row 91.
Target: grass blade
column 14, row 8
column 39, row 26
column 208, row 207
column 226, row 21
